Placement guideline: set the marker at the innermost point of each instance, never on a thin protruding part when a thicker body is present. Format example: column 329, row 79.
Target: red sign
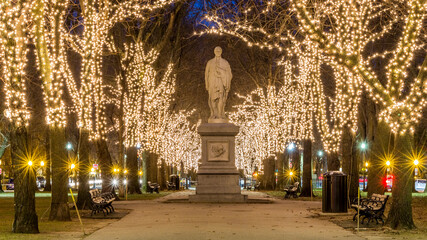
column 95, row 166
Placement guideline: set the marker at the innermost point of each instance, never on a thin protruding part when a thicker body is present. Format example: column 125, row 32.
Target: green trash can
column 334, row 192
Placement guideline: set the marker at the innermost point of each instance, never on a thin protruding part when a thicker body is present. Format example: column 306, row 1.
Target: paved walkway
column 283, row 219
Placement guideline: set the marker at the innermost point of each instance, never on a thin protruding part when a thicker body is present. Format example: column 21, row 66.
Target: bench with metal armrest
column 370, row 208
column 101, row 202
column 153, row 187
column 291, row 190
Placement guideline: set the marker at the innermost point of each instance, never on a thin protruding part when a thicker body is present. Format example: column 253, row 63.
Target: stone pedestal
column 218, row 177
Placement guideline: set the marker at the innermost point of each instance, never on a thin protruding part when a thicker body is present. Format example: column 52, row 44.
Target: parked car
column 41, row 182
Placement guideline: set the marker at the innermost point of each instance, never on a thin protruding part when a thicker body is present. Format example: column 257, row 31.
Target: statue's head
column 218, row 51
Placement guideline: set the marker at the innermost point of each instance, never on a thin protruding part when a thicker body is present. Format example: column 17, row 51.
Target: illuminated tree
column 48, row 20
column 98, row 18
column 401, row 109
column 180, row 142
column 13, row 55
column 270, row 26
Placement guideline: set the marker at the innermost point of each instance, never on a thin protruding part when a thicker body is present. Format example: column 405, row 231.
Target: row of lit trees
column 55, row 27
column 341, row 34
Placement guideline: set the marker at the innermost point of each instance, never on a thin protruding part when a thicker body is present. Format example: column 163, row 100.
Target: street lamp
column 42, row 163
column 416, row 162
column 320, row 153
column 291, row 146
column 363, row 148
column 30, row 163
column 69, row 146
column 126, row 183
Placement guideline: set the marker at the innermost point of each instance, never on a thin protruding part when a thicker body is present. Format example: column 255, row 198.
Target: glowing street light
column 72, row 166
column 366, row 164
column 416, row 162
column 30, row 163
column 291, row 146
column 115, row 182
column 140, row 173
column 42, row 163
column 363, row 146
column 92, row 170
column 388, row 163
column 125, row 171
column 291, row 173
column 69, row 146
column 320, row 153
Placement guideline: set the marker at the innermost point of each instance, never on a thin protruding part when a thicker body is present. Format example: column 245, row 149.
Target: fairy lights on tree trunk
column 13, row 55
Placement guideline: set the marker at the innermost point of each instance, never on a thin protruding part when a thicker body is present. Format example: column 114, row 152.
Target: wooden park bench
column 101, row 202
column 291, row 190
column 371, row 208
column 171, row 185
column 153, row 187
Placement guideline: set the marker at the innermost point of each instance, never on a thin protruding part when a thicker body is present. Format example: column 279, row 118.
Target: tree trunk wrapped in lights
column 49, row 46
column 13, row 55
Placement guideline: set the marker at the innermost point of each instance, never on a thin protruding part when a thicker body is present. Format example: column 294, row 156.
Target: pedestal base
column 218, row 177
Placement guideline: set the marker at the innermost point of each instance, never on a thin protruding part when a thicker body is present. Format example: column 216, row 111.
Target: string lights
column 49, row 49
column 98, row 19
column 402, row 110
column 13, row 54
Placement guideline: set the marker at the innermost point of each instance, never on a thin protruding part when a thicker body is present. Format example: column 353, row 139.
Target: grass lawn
column 56, row 230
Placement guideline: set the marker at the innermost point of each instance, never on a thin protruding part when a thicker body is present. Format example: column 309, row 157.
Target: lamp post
column 416, row 162
column 92, row 171
column 363, row 148
column 72, row 167
column 126, row 183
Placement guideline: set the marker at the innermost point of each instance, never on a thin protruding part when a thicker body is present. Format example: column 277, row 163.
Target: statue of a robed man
column 217, row 79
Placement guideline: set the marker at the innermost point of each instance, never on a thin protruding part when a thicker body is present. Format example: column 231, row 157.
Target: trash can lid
column 334, row 173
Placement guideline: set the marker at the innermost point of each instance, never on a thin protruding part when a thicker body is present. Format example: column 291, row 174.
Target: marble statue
column 217, row 79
